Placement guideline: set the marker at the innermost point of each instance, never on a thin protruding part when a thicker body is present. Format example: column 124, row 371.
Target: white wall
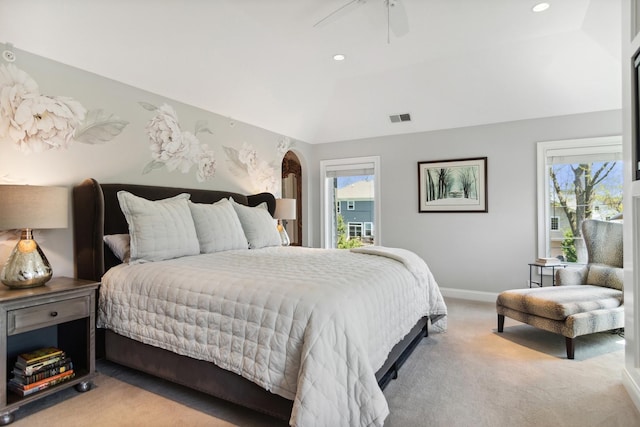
column 474, row 252
column 124, row 157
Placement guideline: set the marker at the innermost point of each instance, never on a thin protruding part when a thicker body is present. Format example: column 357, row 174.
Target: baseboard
column 470, row 295
column 632, row 387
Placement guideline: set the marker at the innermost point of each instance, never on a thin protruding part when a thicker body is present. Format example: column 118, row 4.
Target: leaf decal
column 233, row 160
column 202, row 126
column 153, row 164
column 99, row 127
column 148, row 106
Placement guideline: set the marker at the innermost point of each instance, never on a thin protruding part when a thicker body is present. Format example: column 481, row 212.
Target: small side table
column 540, row 267
column 60, row 314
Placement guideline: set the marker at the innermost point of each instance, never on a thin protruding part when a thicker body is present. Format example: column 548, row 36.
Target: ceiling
column 462, row 63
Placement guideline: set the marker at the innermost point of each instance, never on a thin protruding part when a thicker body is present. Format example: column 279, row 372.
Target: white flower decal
column 175, row 149
column 264, row 176
column 206, row 165
column 248, row 156
column 43, row 122
column 284, row 145
column 36, row 122
column 15, row 85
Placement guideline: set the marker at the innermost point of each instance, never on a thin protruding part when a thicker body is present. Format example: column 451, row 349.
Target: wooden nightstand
column 59, row 314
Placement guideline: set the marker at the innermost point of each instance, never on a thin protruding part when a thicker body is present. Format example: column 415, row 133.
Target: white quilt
column 311, row 325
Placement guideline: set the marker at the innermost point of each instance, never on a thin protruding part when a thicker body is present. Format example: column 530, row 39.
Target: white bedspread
column 311, row 325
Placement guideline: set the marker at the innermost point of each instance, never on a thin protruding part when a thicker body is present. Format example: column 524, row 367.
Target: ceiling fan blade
column 397, row 18
column 339, row 11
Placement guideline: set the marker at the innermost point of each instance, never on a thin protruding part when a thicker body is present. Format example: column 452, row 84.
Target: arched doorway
column 292, row 189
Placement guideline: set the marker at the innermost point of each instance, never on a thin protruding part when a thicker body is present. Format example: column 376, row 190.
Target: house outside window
column 351, row 205
column 577, row 180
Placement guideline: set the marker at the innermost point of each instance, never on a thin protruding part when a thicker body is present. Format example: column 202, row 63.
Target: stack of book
column 40, row 369
column 548, row 261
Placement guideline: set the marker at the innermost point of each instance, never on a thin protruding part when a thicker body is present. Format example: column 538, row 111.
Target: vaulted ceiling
column 265, row 62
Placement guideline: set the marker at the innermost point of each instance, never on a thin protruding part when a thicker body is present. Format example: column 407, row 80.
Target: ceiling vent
column 397, row 118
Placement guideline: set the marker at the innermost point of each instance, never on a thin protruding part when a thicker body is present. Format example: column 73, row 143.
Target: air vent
column 397, row 118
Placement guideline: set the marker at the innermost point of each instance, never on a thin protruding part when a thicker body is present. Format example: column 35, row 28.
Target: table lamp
column 28, row 207
column 285, row 209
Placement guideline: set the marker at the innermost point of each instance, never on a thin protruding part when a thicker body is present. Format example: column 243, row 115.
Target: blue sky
column 343, row 181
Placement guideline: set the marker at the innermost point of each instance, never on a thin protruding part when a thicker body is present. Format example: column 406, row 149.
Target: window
column 368, row 229
column 346, row 182
column 355, row 230
column 577, row 180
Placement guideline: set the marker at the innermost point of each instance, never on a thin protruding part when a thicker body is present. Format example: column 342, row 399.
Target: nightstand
column 59, row 314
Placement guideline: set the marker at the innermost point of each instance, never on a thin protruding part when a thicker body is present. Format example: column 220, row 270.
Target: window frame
column 326, row 202
column 544, row 214
column 351, row 205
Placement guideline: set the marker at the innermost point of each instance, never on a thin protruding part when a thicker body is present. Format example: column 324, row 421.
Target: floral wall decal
column 99, row 127
column 284, row 145
column 37, row 122
column 175, row 149
column 263, row 175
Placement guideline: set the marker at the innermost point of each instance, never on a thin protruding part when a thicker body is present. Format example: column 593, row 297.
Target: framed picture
column 458, row 185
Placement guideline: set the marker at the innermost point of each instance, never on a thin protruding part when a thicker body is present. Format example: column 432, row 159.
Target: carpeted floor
column 468, row 376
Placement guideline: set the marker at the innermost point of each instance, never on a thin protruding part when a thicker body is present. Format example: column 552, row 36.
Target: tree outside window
column 582, row 191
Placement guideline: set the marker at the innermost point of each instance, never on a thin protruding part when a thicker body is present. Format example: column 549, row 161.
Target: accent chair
column 585, row 300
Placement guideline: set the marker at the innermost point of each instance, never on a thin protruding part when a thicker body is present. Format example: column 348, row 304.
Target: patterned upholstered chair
column 586, row 300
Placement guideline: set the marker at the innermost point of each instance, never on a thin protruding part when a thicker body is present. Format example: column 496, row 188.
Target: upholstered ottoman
column 570, row 311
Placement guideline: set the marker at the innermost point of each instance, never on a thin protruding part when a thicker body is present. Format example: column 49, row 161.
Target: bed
column 280, row 330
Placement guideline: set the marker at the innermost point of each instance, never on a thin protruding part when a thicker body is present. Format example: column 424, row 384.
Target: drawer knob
column 54, row 313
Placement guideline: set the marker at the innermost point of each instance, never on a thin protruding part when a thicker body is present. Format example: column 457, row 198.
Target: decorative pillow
column 605, row 275
column 217, row 226
column 258, row 225
column 161, row 229
column 119, row 245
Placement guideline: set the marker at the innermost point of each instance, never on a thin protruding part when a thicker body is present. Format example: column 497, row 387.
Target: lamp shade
column 285, row 209
column 30, row 206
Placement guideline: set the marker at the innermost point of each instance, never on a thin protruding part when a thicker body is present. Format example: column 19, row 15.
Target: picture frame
column 456, row 185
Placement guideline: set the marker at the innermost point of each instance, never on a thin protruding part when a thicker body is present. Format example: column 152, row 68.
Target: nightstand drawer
column 43, row 315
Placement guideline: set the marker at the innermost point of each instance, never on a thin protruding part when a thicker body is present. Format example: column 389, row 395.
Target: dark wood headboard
column 96, row 212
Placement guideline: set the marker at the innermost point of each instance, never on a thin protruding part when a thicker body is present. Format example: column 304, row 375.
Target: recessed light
column 540, row 7
column 339, row 57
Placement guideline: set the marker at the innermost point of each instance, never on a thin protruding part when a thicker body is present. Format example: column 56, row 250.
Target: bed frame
column 96, row 212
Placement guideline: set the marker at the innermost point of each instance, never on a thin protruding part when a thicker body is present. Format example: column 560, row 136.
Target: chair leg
column 500, row 322
column 570, row 347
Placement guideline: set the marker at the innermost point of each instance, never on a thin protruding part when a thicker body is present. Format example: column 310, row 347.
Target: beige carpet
column 469, row 376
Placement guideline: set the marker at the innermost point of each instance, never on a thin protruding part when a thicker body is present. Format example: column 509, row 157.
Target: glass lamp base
column 27, row 266
column 284, row 237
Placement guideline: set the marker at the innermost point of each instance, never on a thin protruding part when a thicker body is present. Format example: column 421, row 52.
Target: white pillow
column 258, row 225
column 217, row 226
column 161, row 229
column 119, row 245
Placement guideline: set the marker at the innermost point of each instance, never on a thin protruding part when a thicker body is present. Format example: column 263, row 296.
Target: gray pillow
column 160, row 229
column 119, row 245
column 217, row 226
column 258, row 225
